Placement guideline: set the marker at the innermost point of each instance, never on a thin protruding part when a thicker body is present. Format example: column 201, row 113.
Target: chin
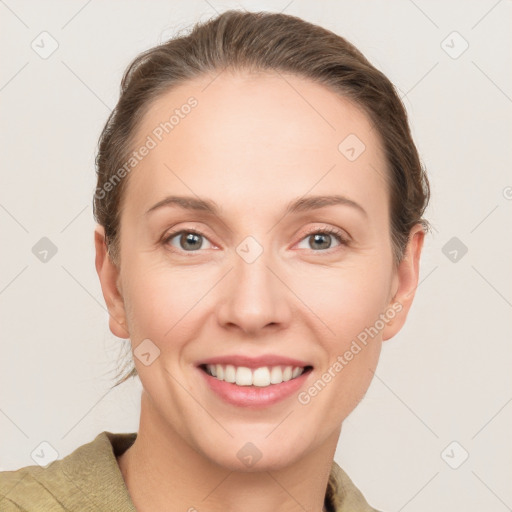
column 246, row 456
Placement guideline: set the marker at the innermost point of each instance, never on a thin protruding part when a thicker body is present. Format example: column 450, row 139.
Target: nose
column 255, row 298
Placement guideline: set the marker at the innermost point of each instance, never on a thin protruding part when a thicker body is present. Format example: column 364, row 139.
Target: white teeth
column 260, row 377
column 296, row 372
column 243, row 376
column 230, row 374
column 276, row 375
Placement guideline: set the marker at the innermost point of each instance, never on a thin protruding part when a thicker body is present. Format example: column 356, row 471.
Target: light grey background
column 446, row 377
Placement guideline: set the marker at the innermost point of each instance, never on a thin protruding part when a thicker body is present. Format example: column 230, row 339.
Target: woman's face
column 270, row 272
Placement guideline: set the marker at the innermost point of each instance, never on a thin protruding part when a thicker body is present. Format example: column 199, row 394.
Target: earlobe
column 405, row 282
column 108, row 274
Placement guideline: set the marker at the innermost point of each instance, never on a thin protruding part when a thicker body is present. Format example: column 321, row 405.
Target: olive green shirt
column 90, row 479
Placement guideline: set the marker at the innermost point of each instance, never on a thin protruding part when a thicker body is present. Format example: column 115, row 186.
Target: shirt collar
column 92, row 471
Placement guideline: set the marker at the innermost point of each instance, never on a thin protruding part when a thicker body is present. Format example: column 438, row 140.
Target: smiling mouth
column 260, row 377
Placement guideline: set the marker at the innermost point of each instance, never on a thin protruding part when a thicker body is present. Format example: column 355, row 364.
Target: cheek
column 161, row 300
column 347, row 304
column 343, row 300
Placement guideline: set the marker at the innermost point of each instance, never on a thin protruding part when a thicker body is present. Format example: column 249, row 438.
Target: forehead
column 255, row 136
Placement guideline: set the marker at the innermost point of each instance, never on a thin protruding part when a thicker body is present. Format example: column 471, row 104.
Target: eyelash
column 327, row 230
column 338, row 234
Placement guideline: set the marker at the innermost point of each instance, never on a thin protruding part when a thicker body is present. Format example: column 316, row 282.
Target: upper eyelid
column 327, row 229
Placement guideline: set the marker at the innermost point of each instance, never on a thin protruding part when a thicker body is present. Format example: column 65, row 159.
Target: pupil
column 190, row 238
column 319, row 237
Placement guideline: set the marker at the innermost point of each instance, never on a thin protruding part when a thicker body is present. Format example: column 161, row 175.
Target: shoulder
column 346, row 496
column 12, row 484
column 87, row 479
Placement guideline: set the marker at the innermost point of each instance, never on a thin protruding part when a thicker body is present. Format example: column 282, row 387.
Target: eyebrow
column 298, row 205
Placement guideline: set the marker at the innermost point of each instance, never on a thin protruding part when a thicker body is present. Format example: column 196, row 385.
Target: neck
column 160, row 469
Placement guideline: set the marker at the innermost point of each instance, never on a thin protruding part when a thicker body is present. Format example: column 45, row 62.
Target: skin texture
column 252, row 144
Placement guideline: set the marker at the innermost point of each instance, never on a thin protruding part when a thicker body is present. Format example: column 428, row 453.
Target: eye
column 187, row 240
column 321, row 238
column 190, row 240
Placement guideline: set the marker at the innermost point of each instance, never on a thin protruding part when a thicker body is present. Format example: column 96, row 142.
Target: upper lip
column 254, row 362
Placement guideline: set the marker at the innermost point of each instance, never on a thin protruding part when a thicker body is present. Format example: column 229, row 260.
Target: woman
column 259, row 206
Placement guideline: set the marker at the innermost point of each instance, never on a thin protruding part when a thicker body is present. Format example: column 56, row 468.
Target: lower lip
column 254, row 396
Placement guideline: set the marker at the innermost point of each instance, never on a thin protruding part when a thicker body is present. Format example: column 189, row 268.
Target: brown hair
column 262, row 42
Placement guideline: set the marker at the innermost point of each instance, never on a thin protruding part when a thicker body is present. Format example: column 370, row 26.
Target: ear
column 109, row 277
column 405, row 282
